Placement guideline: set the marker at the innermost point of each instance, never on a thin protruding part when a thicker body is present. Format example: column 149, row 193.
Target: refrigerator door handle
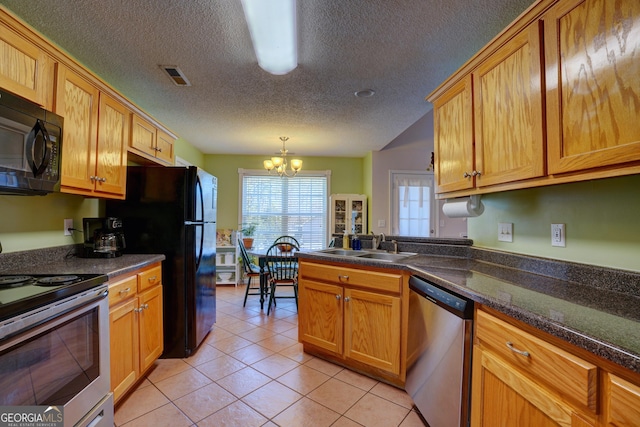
column 199, row 258
column 200, row 195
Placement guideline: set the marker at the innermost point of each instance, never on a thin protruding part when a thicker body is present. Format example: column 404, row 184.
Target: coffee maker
column 103, row 237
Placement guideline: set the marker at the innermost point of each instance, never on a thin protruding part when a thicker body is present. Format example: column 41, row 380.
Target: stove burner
column 10, row 281
column 57, row 280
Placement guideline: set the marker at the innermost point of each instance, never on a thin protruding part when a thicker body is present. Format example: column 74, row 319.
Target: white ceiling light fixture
column 279, row 164
column 272, row 25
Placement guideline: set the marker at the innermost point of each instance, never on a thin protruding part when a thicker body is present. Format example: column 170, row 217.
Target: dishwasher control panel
column 457, row 304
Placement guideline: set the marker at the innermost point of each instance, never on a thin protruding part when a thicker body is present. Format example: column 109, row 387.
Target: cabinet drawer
column 573, row 377
column 149, row 278
column 623, row 402
column 122, row 290
column 378, row 281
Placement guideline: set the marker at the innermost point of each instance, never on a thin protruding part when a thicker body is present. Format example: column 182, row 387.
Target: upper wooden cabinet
column 96, row 134
column 592, row 54
column 555, row 100
column 508, row 111
column 453, row 142
column 150, row 142
column 25, row 69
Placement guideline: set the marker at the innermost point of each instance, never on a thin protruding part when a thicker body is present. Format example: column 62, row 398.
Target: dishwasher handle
column 454, row 303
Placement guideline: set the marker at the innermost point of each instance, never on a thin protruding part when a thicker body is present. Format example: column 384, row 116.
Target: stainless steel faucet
column 395, row 246
column 376, row 240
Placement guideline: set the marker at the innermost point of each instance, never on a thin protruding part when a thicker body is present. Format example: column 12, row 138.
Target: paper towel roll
column 463, row 208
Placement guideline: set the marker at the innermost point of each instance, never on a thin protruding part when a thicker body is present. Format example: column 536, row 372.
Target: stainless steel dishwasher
column 439, row 354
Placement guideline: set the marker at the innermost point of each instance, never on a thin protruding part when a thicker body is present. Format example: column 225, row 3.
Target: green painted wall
column 601, row 217
column 189, row 153
column 347, row 176
column 32, row 222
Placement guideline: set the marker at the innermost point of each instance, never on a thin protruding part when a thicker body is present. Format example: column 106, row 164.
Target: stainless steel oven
column 57, row 354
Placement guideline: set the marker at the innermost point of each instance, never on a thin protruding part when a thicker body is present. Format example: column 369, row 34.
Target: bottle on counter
column 345, row 240
column 356, row 244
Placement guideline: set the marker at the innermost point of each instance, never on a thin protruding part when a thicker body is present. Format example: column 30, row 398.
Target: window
column 412, row 203
column 286, row 206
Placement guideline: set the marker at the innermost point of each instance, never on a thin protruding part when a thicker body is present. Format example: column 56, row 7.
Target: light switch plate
column 505, row 232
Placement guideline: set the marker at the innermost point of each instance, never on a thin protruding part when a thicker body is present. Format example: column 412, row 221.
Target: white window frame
column 310, row 173
column 394, row 200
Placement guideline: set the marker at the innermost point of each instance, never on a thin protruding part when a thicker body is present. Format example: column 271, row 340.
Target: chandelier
column 279, row 164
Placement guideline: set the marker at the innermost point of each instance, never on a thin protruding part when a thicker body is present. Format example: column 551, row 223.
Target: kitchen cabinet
column 348, row 212
column 548, row 101
column 150, row 142
column 517, row 376
column 488, row 126
column 622, row 402
column 135, row 319
column 354, row 317
column 26, row 69
column 95, row 137
column 592, row 84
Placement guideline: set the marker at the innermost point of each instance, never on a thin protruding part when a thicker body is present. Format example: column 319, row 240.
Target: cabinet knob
column 93, row 178
column 466, row 175
column 159, row 150
column 138, row 310
column 338, row 297
column 347, row 299
column 476, row 173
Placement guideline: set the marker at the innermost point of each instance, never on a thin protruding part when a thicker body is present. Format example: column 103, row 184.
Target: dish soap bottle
column 355, row 243
column 345, row 240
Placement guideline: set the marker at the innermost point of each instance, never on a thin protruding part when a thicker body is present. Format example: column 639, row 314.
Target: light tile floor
column 251, row 371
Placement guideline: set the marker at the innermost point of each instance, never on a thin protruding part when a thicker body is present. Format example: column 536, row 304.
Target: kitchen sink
column 378, row 255
column 386, row 256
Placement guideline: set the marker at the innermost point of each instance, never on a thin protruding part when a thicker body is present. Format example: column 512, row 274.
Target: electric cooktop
column 21, row 293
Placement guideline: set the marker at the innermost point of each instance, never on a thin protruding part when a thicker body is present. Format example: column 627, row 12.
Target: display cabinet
column 348, row 212
column 227, row 266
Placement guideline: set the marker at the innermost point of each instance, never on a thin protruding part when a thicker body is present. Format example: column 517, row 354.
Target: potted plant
column 247, row 235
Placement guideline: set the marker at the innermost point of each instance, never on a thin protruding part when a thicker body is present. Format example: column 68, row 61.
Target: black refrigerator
column 172, row 211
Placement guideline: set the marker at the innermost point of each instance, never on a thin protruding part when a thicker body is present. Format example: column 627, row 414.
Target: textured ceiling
column 402, row 49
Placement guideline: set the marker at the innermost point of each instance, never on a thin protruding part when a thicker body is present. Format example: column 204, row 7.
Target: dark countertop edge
column 595, row 345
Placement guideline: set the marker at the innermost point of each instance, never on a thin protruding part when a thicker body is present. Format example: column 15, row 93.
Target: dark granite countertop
column 60, row 260
column 599, row 313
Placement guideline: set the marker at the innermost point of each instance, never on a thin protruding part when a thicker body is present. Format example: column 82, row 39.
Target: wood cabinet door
column 622, row 402
column 25, row 69
column 320, row 315
column 164, row 147
column 113, row 139
column 453, row 138
column 372, row 329
column 503, row 397
column 143, row 135
column 123, row 324
column 592, row 53
column 508, row 111
column 151, row 333
column 77, row 101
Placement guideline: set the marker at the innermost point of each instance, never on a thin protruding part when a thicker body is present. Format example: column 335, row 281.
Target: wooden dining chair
column 251, row 271
column 282, row 267
column 287, row 239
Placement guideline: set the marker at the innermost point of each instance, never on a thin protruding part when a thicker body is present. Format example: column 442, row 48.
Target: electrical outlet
column 68, row 226
column 382, row 223
column 505, row 232
column 558, row 235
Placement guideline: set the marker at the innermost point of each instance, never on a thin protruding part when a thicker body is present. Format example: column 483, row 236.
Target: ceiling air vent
column 176, row 75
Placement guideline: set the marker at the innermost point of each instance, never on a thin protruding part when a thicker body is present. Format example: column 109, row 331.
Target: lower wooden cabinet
column 353, row 317
column 135, row 313
column 521, row 379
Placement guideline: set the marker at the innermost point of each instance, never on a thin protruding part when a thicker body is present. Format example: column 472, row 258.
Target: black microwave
column 30, row 147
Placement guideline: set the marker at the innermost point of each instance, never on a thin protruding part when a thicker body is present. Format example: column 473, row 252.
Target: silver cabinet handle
column 93, row 178
column 152, row 278
column 125, row 291
column 138, row 310
column 476, row 173
column 347, row 299
column 341, row 278
column 515, row 350
column 466, row 175
column 338, row 297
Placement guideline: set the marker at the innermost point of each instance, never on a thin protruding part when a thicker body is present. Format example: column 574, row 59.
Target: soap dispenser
column 345, row 240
